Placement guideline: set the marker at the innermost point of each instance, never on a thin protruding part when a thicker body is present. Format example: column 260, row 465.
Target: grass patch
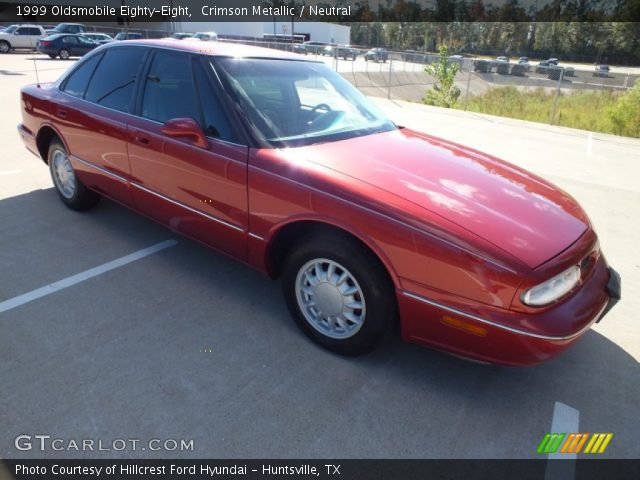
column 587, row 110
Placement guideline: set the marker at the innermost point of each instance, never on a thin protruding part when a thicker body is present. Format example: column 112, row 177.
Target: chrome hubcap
column 64, row 54
column 330, row 298
column 63, row 175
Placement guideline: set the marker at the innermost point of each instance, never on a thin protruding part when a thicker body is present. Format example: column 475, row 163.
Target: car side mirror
column 185, row 128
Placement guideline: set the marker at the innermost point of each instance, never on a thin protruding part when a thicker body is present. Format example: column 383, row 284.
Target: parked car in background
column 482, row 66
column 367, row 225
column 66, row 45
column 22, row 37
column 327, row 51
column 9, row 28
column 181, row 35
column 69, row 28
column 128, row 36
column 346, row 52
column 553, row 61
column 97, row 37
column 601, row 71
column 377, row 55
column 502, row 59
column 523, row 60
column 309, row 47
column 544, row 67
column 519, row 69
column 206, row 36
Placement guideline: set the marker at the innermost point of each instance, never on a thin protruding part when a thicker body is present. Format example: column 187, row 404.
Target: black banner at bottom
column 321, row 469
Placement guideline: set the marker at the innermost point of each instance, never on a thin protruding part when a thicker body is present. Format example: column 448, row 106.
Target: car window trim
column 215, row 86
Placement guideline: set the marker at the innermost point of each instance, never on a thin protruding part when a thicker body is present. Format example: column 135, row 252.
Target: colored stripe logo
column 574, row 442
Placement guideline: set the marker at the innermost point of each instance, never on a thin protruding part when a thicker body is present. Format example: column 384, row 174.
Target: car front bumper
column 487, row 335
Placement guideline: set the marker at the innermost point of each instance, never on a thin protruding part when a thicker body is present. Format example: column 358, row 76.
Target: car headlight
column 552, row 289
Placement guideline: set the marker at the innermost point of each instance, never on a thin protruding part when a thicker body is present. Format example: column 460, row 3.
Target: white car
column 205, row 36
column 23, row 36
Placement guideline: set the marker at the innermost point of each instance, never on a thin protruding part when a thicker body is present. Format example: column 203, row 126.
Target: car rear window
column 113, row 83
column 76, row 83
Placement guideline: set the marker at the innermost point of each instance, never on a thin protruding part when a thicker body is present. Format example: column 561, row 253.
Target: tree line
column 579, row 30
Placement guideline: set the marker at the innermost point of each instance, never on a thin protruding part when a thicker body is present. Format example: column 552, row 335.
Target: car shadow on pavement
column 189, row 328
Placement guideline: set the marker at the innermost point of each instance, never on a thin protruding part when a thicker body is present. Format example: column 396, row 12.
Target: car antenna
column 35, row 65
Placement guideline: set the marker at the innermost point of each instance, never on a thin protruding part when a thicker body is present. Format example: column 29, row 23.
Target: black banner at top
column 343, row 11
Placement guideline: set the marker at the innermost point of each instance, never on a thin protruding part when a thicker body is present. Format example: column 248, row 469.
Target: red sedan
column 279, row 162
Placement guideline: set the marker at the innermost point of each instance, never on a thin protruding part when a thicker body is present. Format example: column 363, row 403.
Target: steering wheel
column 321, row 106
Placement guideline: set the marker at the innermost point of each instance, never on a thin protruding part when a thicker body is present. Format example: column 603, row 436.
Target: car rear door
column 92, row 113
column 197, row 190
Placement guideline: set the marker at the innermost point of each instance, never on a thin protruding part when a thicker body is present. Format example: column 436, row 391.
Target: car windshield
column 294, row 103
column 10, row 29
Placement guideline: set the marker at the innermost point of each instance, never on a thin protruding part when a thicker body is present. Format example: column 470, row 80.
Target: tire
column 71, row 190
column 64, row 54
column 358, row 278
column 5, row 47
column 52, row 56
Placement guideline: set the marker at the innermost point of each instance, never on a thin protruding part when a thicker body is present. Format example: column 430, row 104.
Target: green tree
column 444, row 92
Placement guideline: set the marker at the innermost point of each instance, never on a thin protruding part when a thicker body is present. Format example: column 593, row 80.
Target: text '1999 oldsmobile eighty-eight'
column 280, row 163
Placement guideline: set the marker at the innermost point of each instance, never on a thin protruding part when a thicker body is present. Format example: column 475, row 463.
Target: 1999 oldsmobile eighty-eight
column 282, row 164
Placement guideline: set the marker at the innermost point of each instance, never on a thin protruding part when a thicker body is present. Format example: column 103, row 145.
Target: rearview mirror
column 185, row 128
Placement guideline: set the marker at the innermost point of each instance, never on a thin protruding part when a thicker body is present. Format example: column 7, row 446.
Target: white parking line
column 562, row 465
column 82, row 276
column 10, row 172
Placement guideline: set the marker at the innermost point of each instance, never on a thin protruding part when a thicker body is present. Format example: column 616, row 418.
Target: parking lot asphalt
column 187, row 344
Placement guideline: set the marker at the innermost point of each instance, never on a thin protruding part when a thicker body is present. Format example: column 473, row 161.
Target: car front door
column 197, row 188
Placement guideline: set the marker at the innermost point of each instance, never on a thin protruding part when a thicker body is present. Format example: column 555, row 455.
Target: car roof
column 221, row 49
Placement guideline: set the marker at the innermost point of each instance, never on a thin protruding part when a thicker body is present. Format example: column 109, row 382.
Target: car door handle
column 61, row 113
column 140, row 140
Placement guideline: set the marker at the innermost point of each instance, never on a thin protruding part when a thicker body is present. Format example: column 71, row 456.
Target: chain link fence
column 572, row 94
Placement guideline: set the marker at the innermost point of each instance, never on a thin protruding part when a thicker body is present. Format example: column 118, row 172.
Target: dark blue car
column 65, row 45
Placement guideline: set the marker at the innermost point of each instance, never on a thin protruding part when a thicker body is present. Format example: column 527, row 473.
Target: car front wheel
column 5, row 47
column 69, row 187
column 339, row 294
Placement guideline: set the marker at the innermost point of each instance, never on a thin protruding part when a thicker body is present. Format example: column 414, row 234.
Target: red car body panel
column 460, row 233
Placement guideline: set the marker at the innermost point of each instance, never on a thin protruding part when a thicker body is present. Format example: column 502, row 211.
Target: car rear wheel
column 339, row 294
column 69, row 187
column 5, row 47
column 64, row 54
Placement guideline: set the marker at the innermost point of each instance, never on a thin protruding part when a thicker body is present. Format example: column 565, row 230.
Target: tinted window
column 76, row 84
column 169, row 91
column 21, row 31
column 113, row 83
column 215, row 120
column 70, row 40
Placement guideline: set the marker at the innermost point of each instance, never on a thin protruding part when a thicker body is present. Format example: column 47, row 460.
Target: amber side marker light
column 464, row 325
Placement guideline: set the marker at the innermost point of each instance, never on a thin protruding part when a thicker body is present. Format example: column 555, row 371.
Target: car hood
column 516, row 211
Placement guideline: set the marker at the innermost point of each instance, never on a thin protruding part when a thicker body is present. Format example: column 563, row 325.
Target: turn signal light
column 464, row 325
